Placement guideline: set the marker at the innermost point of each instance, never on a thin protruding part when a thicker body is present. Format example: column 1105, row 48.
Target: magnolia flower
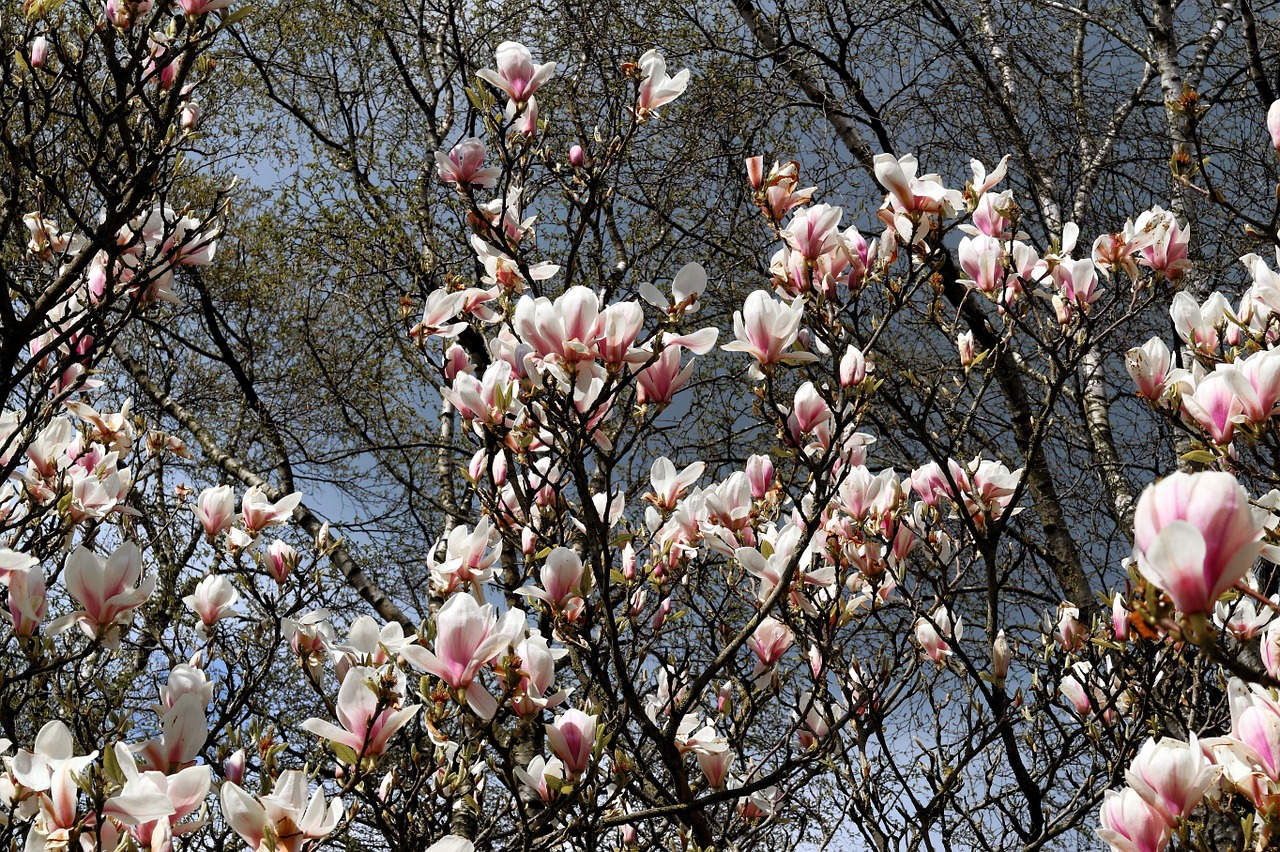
column 212, row 600
column 933, row 632
column 669, row 486
column 1131, row 824
column 257, row 512
column 537, row 670
column 1001, row 656
column 369, row 719
column 688, row 285
column 153, row 803
column 468, row 636
column 767, row 329
column 657, row 88
column 1151, row 368
column 1195, row 536
column 769, row 642
column 516, row 74
column 1273, row 123
column 572, row 737
column 281, row 560
column 561, row 576
column 465, row 164
column 282, row 820
column 543, row 776
column 1171, row 775
column 109, row 589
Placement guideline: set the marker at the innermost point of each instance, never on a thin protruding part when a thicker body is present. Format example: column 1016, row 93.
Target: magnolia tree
column 614, row 648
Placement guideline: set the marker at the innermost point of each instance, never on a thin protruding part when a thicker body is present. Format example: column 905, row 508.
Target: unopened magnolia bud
column 759, row 475
column 853, row 367
column 1000, row 657
column 755, row 172
column 1273, row 124
column 577, row 157
column 233, row 767
column 968, row 351
column 190, row 115
column 1120, row 618
column 39, row 51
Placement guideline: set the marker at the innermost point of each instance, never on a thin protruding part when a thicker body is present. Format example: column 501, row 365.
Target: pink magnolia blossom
column 1255, row 725
column 1273, row 123
column 213, row 599
column 659, row 382
column 516, row 74
column 109, row 589
column 933, row 632
column 1151, row 368
column 257, row 512
column 668, row 485
column 1119, row 618
column 769, row 642
column 1171, row 775
column 768, row 329
column 572, row 737
column 28, row 600
column 1001, row 657
column 657, row 89
column 464, row 164
column 1255, row 382
column 688, row 285
column 468, row 637
column 1070, row 632
column 282, row 820
column 39, row 51
column 196, row 8
column 153, row 804
column 537, row 671
column 1194, row 536
column 1131, row 824
column 368, row 721
column 853, row 367
column 561, row 577
column 281, row 560
column 184, row 729
column 759, row 475
column 1214, row 407
column 543, row 776
column 981, row 258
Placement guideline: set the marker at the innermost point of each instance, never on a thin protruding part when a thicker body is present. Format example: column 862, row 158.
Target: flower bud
column 577, row 157
column 1000, row 657
column 39, row 51
column 755, row 172
column 233, row 767
column 1273, row 123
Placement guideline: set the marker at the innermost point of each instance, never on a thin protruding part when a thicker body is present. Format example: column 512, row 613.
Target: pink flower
column 282, row 820
column 561, row 576
column 1171, row 775
column 1151, row 368
column 1273, row 123
column 933, row 632
column 760, row 475
column 1130, row 824
column 28, row 602
column 769, row 642
column 1255, row 724
column 109, row 589
column 465, row 164
column 767, row 329
column 196, row 8
column 39, row 51
column 967, row 348
column 669, row 486
column 853, row 367
column 1255, row 382
column 1119, row 618
column 1001, row 657
column 281, row 560
column 1194, row 536
column 257, row 512
column 659, row 382
column 572, row 738
column 657, row 88
column 516, row 74
column 212, row 600
column 368, row 723
column 1214, row 407
column 577, row 157
column 468, row 636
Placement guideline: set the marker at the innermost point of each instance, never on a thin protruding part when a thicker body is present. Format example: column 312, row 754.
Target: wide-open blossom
column 516, row 74
column 369, row 717
column 657, row 89
column 1171, row 775
column 1194, row 536
column 543, row 776
column 257, row 512
column 537, row 671
column 768, row 329
column 282, row 820
column 109, row 590
column 468, row 637
column 153, row 804
column 464, row 164
column 689, row 284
